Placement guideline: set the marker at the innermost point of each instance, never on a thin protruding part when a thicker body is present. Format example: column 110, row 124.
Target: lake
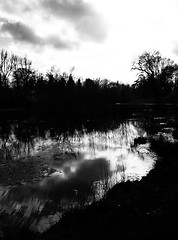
column 48, row 167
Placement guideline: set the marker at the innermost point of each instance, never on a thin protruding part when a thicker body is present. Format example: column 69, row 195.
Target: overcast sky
column 100, row 38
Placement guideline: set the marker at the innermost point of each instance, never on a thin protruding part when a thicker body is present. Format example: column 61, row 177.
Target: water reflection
column 87, row 161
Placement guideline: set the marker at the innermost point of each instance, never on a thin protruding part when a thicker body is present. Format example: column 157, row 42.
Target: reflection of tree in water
column 15, row 139
column 77, row 181
column 122, row 136
column 65, row 144
column 19, row 138
column 127, row 133
column 153, row 124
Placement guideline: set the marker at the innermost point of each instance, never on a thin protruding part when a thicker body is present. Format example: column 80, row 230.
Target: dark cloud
column 58, row 43
column 84, row 18
column 87, row 23
column 24, row 34
column 21, row 32
column 68, row 9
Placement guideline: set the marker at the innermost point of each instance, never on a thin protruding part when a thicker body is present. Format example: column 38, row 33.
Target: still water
column 82, row 161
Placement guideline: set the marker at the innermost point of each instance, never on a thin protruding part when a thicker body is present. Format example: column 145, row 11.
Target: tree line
column 22, row 87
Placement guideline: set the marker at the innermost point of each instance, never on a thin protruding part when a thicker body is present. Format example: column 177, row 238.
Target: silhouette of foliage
column 21, row 87
column 8, row 63
column 155, row 74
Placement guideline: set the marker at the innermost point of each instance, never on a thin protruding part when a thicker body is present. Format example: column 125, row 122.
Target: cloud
column 68, row 9
column 175, row 48
column 13, row 6
column 21, row 32
column 58, row 43
column 24, row 34
column 78, row 16
column 84, row 18
column 88, row 29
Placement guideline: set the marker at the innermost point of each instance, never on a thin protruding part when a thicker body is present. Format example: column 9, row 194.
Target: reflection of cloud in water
column 137, row 162
column 85, row 174
column 53, row 194
column 100, row 157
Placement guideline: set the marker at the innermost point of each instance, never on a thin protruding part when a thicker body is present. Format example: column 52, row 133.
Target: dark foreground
column 145, row 209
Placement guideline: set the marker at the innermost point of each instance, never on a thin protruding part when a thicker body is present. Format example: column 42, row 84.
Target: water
column 47, row 168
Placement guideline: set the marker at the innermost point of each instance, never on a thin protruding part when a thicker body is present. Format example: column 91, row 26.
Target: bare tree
column 151, row 64
column 154, row 71
column 23, row 72
column 8, row 63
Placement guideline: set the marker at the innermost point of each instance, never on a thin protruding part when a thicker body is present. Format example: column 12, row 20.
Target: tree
column 166, row 79
column 22, row 74
column 70, row 83
column 148, row 64
column 8, row 63
column 154, row 72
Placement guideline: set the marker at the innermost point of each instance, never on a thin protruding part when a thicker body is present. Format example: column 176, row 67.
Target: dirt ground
column 26, row 170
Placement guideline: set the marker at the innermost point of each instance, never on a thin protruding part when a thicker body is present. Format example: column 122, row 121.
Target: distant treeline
column 21, row 87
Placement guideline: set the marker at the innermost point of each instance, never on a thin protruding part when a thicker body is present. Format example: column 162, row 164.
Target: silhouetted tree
column 22, row 87
column 70, row 83
column 8, row 63
column 154, row 73
column 23, row 74
column 79, row 84
column 166, row 80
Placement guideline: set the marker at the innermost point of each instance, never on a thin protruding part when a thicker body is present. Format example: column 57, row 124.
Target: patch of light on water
column 85, row 163
column 159, row 118
column 45, row 222
column 137, row 167
column 113, row 146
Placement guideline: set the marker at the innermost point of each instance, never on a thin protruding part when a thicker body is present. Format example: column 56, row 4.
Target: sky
column 94, row 38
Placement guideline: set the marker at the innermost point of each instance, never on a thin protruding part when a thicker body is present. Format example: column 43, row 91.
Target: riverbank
column 144, row 209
